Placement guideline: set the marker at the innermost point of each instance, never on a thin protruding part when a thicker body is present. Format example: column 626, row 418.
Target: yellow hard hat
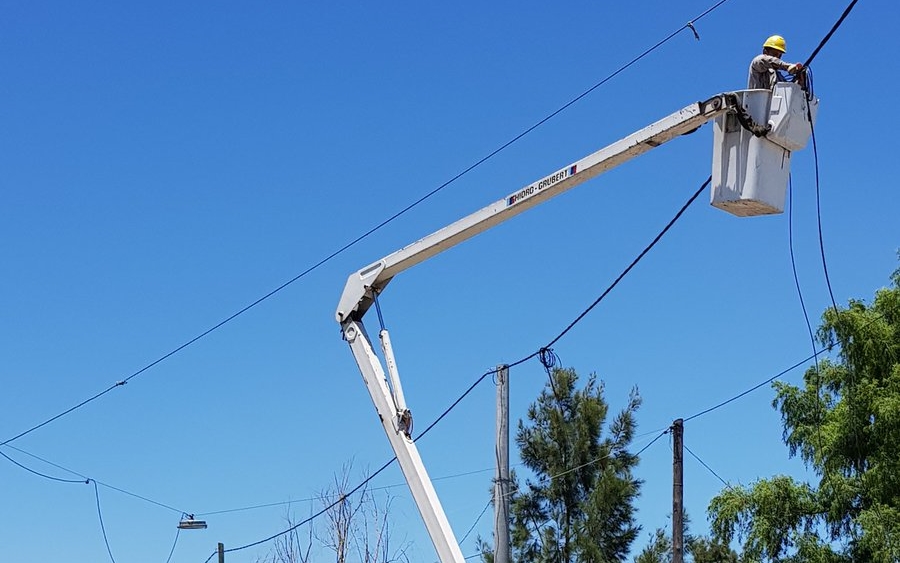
column 776, row 42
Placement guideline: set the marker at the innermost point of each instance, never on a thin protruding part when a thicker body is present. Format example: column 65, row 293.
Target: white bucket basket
column 750, row 173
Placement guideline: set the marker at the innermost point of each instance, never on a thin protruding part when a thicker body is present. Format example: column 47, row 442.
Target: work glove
column 795, row 68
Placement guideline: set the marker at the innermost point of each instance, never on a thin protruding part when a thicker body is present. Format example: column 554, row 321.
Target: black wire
column 653, row 441
column 39, row 474
column 827, row 348
column 145, row 499
column 850, row 402
column 633, row 263
column 708, row 468
column 549, row 360
column 830, row 33
column 65, row 412
column 310, row 499
column 373, row 229
column 472, row 527
column 102, row 527
column 543, row 350
column 340, row 499
column 809, row 330
column 85, row 478
column 171, row 551
column 819, row 210
column 456, row 402
column 755, row 387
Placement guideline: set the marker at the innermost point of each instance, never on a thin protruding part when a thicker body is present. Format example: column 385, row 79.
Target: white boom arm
column 364, row 286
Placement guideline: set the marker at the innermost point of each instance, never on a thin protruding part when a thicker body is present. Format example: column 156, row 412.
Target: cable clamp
column 690, row 25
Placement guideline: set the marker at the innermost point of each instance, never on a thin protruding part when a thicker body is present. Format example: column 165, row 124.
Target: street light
column 189, row 523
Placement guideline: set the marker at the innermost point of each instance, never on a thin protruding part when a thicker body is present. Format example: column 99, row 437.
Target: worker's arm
column 762, row 63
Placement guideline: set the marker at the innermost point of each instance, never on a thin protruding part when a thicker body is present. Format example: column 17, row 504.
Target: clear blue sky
column 165, row 164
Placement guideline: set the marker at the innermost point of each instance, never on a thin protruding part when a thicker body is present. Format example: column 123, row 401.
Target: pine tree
column 579, row 505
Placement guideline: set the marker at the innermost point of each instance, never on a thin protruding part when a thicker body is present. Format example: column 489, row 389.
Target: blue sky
column 166, row 164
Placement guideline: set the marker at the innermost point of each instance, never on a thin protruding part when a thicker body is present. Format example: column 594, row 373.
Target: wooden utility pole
column 501, row 482
column 678, row 491
column 221, row 550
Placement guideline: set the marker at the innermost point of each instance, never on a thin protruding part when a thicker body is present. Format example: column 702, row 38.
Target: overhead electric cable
column 475, row 523
column 39, row 474
column 171, row 551
column 830, row 33
column 708, row 468
column 379, row 488
column 819, row 216
column 84, row 478
column 314, row 516
column 311, row 499
column 372, row 230
column 754, row 388
column 820, row 351
column 102, row 527
column 809, row 330
column 633, row 262
column 660, row 434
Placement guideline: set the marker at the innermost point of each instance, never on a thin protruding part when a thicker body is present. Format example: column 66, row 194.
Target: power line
column 754, row 388
column 90, row 481
column 817, row 352
column 708, row 468
column 812, row 339
column 83, row 478
column 812, row 130
column 39, row 474
column 830, row 33
column 311, row 499
column 171, row 551
column 379, row 488
column 634, row 262
column 102, row 527
column 660, row 434
column 475, row 523
column 341, row 499
column 374, row 229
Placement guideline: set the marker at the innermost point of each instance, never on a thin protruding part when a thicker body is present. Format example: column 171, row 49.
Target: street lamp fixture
column 189, row 523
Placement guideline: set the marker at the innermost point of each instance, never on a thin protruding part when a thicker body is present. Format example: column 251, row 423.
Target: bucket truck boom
column 364, row 286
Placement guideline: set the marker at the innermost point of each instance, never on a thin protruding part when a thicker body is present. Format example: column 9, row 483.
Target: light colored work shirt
column 763, row 71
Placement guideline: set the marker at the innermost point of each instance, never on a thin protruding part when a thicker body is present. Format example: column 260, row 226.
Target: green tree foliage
column 579, row 506
column 845, row 425
column 697, row 549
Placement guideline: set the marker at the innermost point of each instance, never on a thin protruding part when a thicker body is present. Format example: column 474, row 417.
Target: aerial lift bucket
column 750, row 173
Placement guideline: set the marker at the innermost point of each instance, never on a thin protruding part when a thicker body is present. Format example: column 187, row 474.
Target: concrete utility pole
column 501, row 483
column 678, row 491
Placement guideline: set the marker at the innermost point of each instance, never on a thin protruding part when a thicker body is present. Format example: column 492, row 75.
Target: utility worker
column 764, row 68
